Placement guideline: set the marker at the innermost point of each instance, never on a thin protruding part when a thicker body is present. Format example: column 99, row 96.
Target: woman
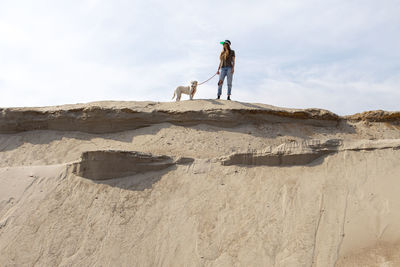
column 227, row 67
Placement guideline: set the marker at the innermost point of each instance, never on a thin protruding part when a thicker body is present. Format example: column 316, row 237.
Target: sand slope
column 198, row 183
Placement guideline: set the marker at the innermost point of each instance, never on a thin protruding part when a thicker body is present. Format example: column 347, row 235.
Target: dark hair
column 224, row 53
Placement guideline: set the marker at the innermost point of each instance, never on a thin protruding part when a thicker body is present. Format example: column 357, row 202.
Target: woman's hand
column 233, row 70
column 218, row 71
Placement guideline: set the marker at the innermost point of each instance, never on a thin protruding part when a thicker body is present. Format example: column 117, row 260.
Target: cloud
column 339, row 55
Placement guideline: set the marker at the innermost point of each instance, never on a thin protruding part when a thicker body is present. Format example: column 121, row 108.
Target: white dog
column 189, row 90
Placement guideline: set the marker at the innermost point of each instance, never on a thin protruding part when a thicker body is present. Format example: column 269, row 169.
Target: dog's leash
column 208, row 79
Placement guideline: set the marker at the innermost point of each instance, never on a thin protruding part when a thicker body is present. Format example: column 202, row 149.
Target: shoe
column 229, row 97
column 218, row 97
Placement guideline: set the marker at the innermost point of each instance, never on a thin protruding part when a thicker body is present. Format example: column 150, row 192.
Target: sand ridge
column 198, row 183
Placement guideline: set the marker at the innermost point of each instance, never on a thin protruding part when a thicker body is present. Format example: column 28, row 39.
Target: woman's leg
column 229, row 80
column 222, row 75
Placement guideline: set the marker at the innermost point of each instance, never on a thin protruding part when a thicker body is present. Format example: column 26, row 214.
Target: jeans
column 225, row 71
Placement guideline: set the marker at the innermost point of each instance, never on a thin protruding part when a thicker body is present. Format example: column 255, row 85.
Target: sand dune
column 198, row 183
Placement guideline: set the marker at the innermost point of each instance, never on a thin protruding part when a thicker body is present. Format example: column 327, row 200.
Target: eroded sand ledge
column 107, row 117
column 198, row 183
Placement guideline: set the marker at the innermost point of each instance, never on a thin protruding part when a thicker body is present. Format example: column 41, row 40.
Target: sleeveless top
column 229, row 59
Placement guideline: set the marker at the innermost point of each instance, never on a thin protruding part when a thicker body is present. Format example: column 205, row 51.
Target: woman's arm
column 219, row 67
column 233, row 64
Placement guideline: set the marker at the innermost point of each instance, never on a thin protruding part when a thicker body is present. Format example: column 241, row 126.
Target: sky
column 341, row 55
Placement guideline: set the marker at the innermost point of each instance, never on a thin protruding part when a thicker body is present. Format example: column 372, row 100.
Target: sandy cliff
column 198, row 183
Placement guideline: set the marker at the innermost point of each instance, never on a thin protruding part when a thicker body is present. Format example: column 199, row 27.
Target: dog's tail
column 174, row 95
